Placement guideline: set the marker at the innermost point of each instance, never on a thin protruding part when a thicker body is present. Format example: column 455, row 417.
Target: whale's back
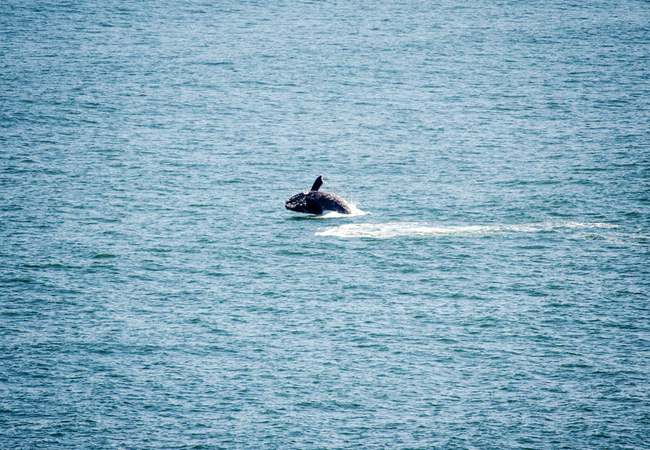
column 330, row 202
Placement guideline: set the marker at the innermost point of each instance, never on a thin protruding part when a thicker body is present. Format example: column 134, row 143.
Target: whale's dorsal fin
column 317, row 184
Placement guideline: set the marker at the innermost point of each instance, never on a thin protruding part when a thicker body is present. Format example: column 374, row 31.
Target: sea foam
column 415, row 229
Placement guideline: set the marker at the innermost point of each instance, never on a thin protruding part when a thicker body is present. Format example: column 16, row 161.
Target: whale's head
column 304, row 202
column 297, row 203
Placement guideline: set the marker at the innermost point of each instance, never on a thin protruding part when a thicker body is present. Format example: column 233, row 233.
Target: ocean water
column 155, row 293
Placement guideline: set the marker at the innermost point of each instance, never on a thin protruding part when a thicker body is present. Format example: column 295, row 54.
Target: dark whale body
column 315, row 202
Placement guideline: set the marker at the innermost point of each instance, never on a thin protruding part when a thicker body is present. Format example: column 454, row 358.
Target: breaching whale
column 315, row 202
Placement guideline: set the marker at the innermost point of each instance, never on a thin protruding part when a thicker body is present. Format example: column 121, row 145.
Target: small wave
column 415, row 229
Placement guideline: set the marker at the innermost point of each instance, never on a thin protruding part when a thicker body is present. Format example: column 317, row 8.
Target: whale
column 317, row 202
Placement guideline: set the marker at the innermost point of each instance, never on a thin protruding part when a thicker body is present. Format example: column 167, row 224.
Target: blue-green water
column 155, row 293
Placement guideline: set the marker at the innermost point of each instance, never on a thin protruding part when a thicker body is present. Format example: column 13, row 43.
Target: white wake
column 415, row 229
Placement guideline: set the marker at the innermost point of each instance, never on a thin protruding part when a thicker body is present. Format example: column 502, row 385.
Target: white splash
column 333, row 214
column 415, row 229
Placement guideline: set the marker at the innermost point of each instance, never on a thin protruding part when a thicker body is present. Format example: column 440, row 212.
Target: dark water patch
column 21, row 280
column 104, row 256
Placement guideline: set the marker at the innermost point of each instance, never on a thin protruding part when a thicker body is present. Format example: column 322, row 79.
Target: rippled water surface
column 154, row 292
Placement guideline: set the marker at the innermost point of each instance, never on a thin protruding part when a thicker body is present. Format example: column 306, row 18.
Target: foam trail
column 415, row 229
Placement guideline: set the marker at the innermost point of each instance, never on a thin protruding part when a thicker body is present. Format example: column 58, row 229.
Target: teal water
column 154, row 292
